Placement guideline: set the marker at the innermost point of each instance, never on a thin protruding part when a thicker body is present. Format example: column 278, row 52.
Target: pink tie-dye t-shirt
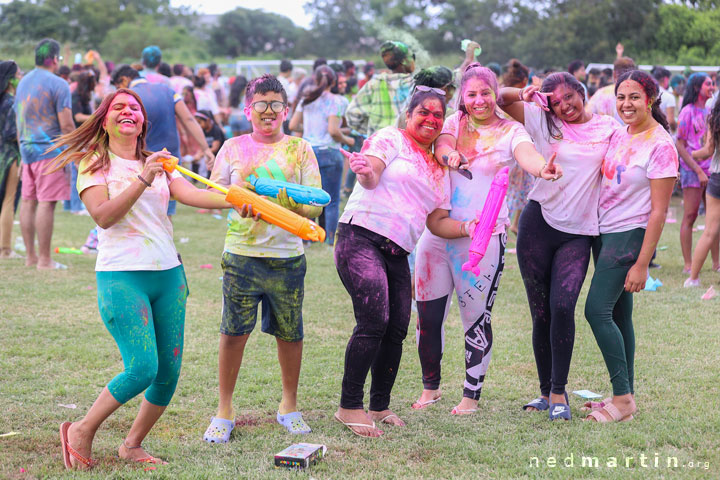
column 412, row 185
column 629, row 165
column 239, row 157
column 143, row 238
column 488, row 149
column 691, row 128
column 570, row 203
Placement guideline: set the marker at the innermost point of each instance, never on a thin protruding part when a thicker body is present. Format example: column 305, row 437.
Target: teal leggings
column 608, row 308
column 145, row 313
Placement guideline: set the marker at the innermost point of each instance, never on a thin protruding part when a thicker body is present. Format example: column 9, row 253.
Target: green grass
column 55, row 350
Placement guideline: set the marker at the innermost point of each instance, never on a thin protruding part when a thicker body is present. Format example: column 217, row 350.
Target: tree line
column 540, row 34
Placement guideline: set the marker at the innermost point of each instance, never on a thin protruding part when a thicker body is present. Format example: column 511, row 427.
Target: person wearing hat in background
column 151, row 58
column 9, row 156
column 214, row 138
column 385, row 95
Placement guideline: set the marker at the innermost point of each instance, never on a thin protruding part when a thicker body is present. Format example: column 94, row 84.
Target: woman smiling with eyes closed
column 141, row 283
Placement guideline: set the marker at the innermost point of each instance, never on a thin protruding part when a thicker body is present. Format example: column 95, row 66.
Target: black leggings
column 375, row 272
column 553, row 265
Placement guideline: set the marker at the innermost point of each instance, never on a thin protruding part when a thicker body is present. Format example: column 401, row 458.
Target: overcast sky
column 290, row 8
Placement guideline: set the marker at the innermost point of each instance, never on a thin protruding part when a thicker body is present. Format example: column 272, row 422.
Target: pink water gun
column 486, row 221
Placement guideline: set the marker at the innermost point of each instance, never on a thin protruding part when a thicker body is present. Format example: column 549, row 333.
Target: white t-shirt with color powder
column 412, row 185
column 291, row 159
column 488, row 149
column 315, row 119
column 630, row 163
column 667, row 99
column 143, row 238
column 570, row 203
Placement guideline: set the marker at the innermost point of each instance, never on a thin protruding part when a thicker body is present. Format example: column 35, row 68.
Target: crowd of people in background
column 593, row 158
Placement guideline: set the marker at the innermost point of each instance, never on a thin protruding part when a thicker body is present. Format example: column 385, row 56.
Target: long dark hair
column 714, row 124
column 549, row 85
column 237, row 90
column 323, row 77
column 8, row 69
column 91, row 139
column 85, row 86
column 652, row 91
column 692, row 88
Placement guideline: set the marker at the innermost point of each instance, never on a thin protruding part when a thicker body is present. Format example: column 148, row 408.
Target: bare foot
column 387, row 417
column 53, row 265
column 137, row 454
column 31, row 260
column 359, row 418
column 427, row 398
column 466, row 406
column 624, row 403
column 533, row 409
column 81, row 441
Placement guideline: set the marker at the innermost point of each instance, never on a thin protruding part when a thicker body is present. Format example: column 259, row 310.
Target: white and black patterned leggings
column 437, row 273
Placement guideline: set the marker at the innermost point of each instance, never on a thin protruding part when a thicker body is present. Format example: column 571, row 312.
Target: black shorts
column 713, row 186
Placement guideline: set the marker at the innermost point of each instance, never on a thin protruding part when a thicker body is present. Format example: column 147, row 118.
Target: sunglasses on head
column 262, row 106
column 423, row 88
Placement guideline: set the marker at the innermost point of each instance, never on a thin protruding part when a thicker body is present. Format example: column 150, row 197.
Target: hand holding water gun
column 253, row 205
column 303, row 194
column 486, row 220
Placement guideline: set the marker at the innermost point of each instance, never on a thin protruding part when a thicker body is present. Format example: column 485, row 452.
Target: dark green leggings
column 608, row 308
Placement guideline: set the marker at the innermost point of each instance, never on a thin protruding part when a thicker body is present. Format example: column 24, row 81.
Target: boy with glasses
column 262, row 262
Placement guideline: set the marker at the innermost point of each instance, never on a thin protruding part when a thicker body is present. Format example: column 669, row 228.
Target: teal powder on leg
column 144, row 311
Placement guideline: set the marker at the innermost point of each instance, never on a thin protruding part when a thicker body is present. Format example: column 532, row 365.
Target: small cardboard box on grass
column 300, row 455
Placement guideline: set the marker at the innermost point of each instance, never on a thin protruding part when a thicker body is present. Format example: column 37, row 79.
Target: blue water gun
column 268, row 187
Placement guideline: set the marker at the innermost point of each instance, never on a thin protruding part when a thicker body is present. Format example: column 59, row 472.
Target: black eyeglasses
column 262, row 106
column 423, row 88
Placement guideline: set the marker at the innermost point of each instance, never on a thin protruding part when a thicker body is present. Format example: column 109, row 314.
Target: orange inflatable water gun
column 271, row 212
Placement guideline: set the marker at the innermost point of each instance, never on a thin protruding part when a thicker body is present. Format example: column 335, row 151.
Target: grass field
column 55, row 350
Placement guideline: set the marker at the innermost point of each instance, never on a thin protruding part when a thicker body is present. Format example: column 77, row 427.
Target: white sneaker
column 690, row 283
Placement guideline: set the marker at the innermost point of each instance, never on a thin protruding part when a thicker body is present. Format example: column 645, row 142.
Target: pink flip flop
column 68, row 451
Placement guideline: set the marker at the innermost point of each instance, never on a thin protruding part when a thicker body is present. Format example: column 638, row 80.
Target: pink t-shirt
column 412, row 185
column 570, row 203
column 629, row 165
column 691, row 128
column 143, row 238
column 488, row 149
column 604, row 102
